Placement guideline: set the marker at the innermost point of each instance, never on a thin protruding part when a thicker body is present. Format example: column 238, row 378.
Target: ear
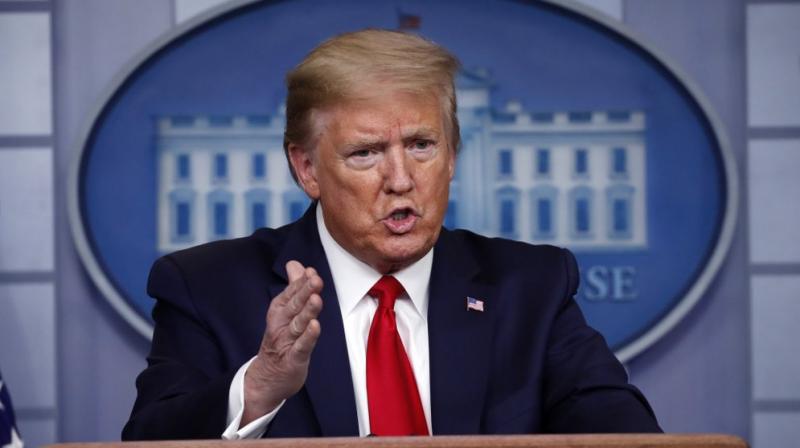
column 451, row 162
column 303, row 165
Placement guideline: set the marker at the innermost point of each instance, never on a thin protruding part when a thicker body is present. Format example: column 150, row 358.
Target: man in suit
column 423, row 330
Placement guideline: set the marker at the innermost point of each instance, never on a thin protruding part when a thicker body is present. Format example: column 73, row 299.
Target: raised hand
column 281, row 365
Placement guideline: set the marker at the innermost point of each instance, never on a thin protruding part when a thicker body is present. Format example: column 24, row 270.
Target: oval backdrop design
column 576, row 134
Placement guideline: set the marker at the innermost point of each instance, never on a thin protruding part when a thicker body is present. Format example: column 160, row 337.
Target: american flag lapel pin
column 474, row 304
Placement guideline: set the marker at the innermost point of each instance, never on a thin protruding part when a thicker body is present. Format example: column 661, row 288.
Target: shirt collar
column 353, row 278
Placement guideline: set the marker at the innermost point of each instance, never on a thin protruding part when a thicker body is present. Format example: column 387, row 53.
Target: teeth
column 397, row 216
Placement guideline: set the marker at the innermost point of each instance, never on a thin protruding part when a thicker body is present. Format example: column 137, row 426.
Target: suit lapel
column 459, row 340
column 329, row 384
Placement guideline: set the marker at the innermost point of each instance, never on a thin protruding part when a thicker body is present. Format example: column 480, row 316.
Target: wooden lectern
column 524, row 441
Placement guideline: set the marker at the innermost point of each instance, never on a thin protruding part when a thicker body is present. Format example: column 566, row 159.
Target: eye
column 362, row 158
column 422, row 144
column 361, row 153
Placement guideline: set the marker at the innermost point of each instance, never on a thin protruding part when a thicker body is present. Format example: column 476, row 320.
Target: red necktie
column 394, row 405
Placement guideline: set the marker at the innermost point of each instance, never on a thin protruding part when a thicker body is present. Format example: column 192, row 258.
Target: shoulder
column 236, row 256
column 503, row 255
column 202, row 276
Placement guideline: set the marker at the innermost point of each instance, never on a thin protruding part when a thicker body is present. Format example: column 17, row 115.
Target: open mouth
column 400, row 215
column 400, row 221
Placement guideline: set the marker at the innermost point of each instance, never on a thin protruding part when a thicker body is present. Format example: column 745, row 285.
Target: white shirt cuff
column 254, row 429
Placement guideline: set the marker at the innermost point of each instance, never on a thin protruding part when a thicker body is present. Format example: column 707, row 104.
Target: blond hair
column 347, row 66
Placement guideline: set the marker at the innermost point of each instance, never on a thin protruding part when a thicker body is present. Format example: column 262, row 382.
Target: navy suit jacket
column 527, row 364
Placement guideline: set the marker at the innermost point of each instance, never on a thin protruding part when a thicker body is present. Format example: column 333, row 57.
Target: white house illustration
column 574, row 179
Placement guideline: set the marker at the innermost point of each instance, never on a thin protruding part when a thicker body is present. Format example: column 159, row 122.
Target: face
column 381, row 169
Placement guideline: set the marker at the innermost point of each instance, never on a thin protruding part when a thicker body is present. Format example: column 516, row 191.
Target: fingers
column 309, row 286
column 310, row 311
column 295, row 273
column 294, row 270
column 304, row 345
column 290, row 312
column 302, row 283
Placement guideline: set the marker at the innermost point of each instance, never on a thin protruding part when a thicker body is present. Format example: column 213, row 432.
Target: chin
column 401, row 256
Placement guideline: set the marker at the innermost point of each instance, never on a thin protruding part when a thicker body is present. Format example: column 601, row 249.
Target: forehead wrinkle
column 359, row 127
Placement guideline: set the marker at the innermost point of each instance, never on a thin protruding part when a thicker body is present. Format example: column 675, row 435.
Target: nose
column 397, row 171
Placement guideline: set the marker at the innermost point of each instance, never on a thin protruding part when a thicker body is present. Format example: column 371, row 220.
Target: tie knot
column 386, row 290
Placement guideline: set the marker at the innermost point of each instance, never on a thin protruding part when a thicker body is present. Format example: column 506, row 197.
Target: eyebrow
column 424, row 132
column 367, row 141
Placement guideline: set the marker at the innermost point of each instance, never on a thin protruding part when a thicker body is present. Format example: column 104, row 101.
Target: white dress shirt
column 353, row 279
